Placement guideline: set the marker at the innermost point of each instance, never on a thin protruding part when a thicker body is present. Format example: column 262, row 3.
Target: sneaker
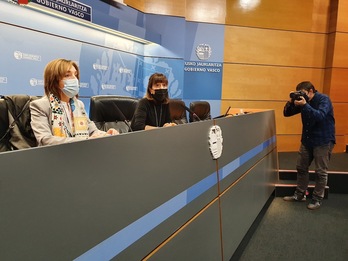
column 315, row 204
column 295, row 198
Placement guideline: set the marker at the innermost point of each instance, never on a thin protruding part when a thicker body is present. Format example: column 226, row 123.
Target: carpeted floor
column 289, row 231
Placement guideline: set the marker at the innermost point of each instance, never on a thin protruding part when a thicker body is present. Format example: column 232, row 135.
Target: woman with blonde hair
column 58, row 116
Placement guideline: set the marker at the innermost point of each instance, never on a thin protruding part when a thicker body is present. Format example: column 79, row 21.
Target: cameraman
column 317, row 142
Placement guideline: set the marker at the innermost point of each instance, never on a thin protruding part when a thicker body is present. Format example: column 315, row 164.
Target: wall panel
column 206, row 11
column 336, row 75
column 252, row 82
column 333, row 13
column 340, row 110
column 338, row 79
column 288, row 127
column 298, row 15
column 284, row 125
column 165, row 7
column 342, row 19
column 287, row 142
column 273, row 47
column 340, row 144
column 330, row 49
column 136, row 4
column 340, row 58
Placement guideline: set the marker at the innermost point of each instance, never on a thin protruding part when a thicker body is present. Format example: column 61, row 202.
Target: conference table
column 160, row 194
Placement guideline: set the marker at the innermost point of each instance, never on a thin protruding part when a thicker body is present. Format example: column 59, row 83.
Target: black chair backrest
column 177, row 111
column 15, row 129
column 111, row 111
column 4, row 124
column 201, row 109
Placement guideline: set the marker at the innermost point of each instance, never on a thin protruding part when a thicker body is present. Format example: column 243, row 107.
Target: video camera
column 297, row 95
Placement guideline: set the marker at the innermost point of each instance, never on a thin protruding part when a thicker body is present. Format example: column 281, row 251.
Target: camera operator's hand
column 301, row 102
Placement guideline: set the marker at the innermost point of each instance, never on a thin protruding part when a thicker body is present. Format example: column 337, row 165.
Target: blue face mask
column 71, row 87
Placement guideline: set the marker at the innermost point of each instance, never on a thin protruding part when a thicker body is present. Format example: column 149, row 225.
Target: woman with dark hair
column 59, row 116
column 153, row 110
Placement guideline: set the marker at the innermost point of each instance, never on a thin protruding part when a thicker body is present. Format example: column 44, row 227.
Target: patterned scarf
column 79, row 127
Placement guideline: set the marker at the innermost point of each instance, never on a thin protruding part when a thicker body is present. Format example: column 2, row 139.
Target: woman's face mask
column 160, row 95
column 71, row 87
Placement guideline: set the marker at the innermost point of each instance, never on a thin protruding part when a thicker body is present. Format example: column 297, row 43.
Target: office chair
column 15, row 128
column 112, row 111
column 177, row 111
column 4, row 124
column 201, row 110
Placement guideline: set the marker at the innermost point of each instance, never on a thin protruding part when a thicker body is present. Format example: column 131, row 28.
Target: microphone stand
column 124, row 118
column 192, row 112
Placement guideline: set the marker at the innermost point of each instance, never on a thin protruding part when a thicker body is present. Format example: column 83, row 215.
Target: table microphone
column 229, row 107
column 124, row 119
column 190, row 111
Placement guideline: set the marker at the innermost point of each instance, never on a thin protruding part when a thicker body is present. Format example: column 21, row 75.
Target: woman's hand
column 98, row 134
column 169, row 124
column 112, row 131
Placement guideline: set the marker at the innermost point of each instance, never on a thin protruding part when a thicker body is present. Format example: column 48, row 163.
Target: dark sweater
column 318, row 122
column 150, row 113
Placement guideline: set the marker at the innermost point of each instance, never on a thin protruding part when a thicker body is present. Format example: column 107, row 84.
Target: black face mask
column 160, row 95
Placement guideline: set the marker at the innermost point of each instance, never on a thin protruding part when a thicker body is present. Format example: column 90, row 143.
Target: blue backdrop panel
column 171, row 31
column 87, row 102
column 172, row 68
column 203, row 65
column 202, row 33
column 203, row 84
column 18, row 15
column 190, row 54
column 123, row 18
column 107, row 71
column 25, row 54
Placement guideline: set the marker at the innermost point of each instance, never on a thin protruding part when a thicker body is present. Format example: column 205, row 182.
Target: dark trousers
column 321, row 156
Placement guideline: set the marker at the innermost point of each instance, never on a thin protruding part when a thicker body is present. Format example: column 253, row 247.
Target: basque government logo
column 36, row 82
column 203, row 51
column 18, row 55
column 27, row 56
